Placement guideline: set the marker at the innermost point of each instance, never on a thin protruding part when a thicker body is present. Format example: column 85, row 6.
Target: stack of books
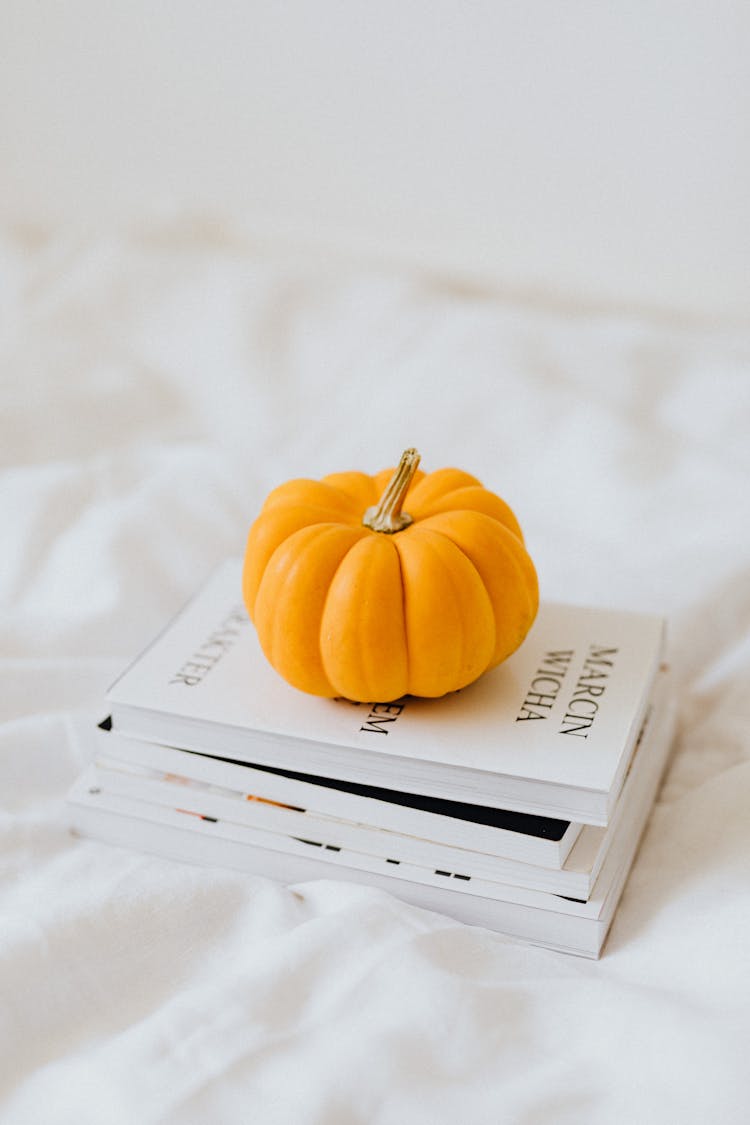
column 516, row 803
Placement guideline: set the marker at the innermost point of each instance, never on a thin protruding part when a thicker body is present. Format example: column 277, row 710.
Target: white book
column 520, row 836
column 220, row 804
column 532, row 915
column 549, row 732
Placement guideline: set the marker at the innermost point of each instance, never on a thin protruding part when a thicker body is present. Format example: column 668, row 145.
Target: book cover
column 549, row 731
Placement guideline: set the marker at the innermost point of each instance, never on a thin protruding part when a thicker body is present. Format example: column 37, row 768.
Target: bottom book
column 535, row 916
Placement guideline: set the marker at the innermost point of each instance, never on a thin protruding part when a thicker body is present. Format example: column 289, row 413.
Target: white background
column 159, row 375
column 591, row 151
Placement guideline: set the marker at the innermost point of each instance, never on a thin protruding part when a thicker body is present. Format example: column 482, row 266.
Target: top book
column 551, row 731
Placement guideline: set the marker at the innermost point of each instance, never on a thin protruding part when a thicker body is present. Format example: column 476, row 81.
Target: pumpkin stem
column 386, row 515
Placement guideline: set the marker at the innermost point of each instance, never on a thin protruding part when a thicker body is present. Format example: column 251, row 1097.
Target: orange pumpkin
column 356, row 598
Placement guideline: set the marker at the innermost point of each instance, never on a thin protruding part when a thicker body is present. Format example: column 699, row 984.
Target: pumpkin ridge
column 436, row 484
column 305, row 490
column 484, row 501
column 521, row 582
column 323, row 611
column 403, row 608
column 514, row 553
column 359, row 488
column 292, row 567
column 530, row 608
column 350, row 497
column 460, row 660
column 359, row 648
column 452, row 579
column 266, row 535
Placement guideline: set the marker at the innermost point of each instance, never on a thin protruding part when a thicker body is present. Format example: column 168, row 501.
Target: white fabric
column 155, row 385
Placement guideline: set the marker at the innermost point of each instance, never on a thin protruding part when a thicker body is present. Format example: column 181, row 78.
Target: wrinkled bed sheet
column 155, row 384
